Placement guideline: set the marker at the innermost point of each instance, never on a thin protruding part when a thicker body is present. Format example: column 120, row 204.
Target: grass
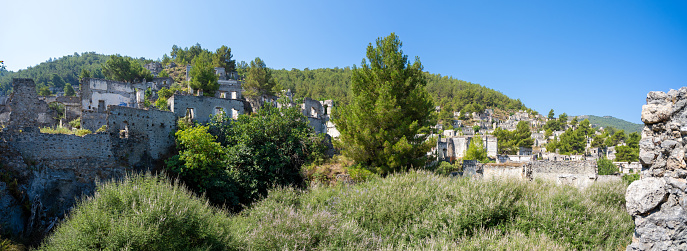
column 64, row 130
column 416, row 210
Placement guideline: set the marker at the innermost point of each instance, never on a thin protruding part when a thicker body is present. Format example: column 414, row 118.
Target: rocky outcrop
column 658, row 201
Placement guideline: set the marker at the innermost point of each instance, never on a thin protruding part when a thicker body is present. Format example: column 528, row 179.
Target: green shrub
column 75, row 123
column 142, row 212
column 102, row 129
column 360, row 174
column 82, row 132
column 444, row 168
column 237, row 162
column 629, row 178
column 606, row 167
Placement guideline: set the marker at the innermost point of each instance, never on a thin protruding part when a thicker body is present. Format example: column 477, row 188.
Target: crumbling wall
column 42, row 146
column 24, row 109
column 505, row 171
column 93, row 120
column 580, row 173
column 203, row 107
column 151, row 128
column 658, row 201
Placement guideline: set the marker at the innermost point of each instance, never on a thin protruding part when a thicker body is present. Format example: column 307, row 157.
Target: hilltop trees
column 125, row 69
column 259, row 80
column 381, row 127
column 203, row 75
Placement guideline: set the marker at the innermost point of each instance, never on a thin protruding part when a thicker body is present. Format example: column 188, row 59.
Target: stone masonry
column 658, row 201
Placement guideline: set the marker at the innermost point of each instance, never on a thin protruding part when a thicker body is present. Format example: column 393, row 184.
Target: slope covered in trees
column 325, row 83
column 449, row 93
column 609, row 121
column 58, row 72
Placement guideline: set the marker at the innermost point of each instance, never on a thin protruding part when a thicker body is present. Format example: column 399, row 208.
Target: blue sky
column 578, row 57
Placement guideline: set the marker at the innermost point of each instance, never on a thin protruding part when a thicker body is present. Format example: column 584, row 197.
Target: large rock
column 655, row 113
column 11, row 214
column 644, row 195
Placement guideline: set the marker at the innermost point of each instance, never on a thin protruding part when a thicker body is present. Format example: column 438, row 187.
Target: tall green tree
column 222, row 58
column 476, row 150
column 551, row 114
column 259, row 80
column 68, row 90
column 203, row 75
column 382, row 128
column 125, row 69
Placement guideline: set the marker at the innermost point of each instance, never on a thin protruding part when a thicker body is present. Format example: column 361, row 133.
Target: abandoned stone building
column 451, row 146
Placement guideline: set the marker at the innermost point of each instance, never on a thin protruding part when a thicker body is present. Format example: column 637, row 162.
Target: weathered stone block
column 644, row 195
column 655, row 113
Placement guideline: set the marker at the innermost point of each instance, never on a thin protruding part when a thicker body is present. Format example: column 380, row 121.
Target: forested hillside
column 327, row 83
column 57, row 72
column 609, row 121
column 449, row 93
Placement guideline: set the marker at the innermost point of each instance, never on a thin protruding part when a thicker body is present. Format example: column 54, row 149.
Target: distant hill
column 607, row 121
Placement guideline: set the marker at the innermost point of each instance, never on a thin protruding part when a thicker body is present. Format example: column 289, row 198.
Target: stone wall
column 203, row 107
column 42, row 146
column 24, row 109
column 93, row 120
column 580, row 174
column 658, row 201
column 505, row 171
column 153, row 128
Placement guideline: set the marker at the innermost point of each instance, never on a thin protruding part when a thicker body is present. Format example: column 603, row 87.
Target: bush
column 75, row 123
column 629, row 178
column 82, row 132
column 102, row 129
column 606, row 167
column 236, row 162
column 142, row 212
column 56, row 130
column 446, row 168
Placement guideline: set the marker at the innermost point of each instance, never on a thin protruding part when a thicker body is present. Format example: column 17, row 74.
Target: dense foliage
column 142, row 212
column 203, row 75
column 389, row 109
column 510, row 142
column 236, row 162
column 67, row 68
column 258, row 79
column 606, row 167
column 410, row 211
column 125, row 69
column 609, row 121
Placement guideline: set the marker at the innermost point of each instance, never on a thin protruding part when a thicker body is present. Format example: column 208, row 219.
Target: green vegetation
column 389, row 109
column 125, row 69
column 259, row 80
column 142, row 212
column 235, row 162
column 203, row 74
column 476, row 151
column 510, row 142
column 609, row 121
column 606, row 167
column 68, row 68
column 415, row 210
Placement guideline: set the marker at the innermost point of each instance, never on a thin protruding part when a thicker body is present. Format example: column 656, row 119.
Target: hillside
column 57, row 72
column 449, row 93
column 607, row 121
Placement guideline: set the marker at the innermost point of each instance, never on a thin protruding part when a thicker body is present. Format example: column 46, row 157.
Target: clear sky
column 578, row 57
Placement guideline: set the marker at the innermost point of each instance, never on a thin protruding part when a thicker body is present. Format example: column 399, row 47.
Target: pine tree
column 382, row 128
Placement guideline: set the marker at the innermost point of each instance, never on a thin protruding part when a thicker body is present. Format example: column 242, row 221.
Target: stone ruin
column 658, row 201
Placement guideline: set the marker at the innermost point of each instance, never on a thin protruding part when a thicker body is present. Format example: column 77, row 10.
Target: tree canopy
column 381, row 127
column 203, row 75
column 259, row 80
column 125, row 69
